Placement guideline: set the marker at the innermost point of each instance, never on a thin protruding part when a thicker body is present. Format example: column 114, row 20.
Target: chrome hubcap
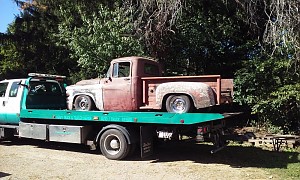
column 83, row 104
column 112, row 144
column 178, row 105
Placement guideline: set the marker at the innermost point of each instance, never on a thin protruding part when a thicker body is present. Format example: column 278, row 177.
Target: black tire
column 83, row 103
column 113, row 144
column 179, row 104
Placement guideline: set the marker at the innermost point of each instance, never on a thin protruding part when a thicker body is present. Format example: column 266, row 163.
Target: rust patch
column 201, row 94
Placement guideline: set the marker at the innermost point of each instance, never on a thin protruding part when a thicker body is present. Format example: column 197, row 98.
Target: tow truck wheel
column 83, row 103
column 113, row 144
column 179, row 104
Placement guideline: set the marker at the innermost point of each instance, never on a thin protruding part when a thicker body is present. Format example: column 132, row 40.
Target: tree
column 277, row 23
column 154, row 21
column 269, row 80
column 102, row 35
column 30, row 45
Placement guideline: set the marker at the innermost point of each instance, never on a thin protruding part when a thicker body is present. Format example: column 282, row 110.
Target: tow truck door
column 3, row 100
column 10, row 101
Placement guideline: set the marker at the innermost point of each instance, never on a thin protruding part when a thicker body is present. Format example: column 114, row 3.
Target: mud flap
column 219, row 141
column 146, row 141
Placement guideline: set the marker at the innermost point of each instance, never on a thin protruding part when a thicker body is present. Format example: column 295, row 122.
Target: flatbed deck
column 121, row 117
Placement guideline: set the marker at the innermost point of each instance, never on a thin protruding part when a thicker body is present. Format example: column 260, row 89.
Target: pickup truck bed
column 150, row 84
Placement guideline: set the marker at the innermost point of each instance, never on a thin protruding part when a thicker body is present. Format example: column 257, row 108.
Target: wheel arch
column 86, row 94
column 129, row 134
column 199, row 93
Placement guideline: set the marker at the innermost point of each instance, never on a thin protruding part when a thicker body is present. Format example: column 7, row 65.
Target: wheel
column 179, row 104
column 84, row 103
column 113, row 144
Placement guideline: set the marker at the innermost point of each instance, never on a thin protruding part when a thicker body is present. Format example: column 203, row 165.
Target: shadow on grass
column 234, row 156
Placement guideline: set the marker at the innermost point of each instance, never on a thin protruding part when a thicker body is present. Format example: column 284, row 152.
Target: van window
column 3, row 87
column 14, row 89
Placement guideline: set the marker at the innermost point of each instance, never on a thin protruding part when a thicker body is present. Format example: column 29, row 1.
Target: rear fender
column 201, row 93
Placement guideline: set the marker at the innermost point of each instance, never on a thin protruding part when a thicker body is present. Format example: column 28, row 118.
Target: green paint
column 128, row 117
column 12, row 118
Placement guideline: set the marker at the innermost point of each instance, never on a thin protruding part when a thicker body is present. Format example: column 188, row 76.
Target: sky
column 8, row 11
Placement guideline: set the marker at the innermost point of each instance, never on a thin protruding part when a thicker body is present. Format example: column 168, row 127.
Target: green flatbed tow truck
column 36, row 108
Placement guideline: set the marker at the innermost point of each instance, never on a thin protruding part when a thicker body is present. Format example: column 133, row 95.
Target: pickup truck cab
column 135, row 84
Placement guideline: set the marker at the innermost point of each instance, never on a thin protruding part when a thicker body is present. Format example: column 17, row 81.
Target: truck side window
column 3, row 87
column 14, row 89
column 121, row 69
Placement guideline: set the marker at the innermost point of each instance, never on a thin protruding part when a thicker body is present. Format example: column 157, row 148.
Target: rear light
column 199, row 136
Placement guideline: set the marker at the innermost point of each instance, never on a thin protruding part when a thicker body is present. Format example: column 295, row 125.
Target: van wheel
column 83, row 103
column 179, row 104
column 113, row 144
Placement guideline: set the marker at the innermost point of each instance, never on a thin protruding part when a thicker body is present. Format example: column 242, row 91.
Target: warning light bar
column 39, row 75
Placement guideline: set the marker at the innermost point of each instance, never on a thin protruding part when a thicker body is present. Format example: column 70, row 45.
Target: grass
column 284, row 164
column 292, row 170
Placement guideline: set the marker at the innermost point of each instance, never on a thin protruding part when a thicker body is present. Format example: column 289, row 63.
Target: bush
column 272, row 91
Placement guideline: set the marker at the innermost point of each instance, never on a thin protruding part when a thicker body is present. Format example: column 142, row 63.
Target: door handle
column 4, row 103
column 126, row 79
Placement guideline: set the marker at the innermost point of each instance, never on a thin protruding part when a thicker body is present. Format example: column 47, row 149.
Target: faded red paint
column 139, row 88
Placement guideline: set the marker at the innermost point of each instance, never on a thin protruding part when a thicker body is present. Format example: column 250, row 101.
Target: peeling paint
column 202, row 94
column 95, row 91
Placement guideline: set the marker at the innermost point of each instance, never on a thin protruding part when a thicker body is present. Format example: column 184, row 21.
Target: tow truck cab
column 39, row 91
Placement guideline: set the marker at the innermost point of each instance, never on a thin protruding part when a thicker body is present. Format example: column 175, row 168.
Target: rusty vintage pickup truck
column 135, row 84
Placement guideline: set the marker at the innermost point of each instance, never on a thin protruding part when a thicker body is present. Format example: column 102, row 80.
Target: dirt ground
column 33, row 159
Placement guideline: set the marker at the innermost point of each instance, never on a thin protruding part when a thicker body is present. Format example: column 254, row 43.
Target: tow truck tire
column 179, row 104
column 83, row 103
column 113, row 144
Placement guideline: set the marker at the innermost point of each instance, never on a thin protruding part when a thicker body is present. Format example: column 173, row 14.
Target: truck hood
column 89, row 81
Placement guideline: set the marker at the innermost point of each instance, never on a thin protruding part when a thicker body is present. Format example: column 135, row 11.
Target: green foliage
column 8, row 54
column 272, row 91
column 209, row 39
column 101, row 36
column 28, row 47
column 79, row 38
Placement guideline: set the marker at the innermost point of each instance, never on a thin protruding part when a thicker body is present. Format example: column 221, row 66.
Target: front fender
column 93, row 91
column 201, row 93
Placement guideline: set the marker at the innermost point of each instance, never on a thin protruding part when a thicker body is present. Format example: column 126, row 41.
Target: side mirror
column 24, row 85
